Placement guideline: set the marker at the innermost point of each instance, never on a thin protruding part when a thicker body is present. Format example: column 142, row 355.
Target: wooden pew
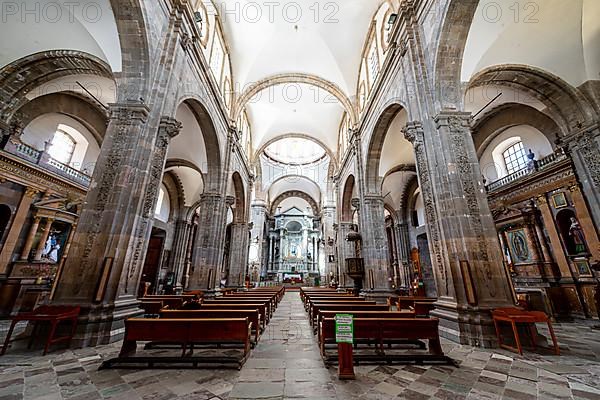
column 251, row 302
column 262, row 308
column 350, row 306
column 362, row 314
column 310, row 301
column 312, row 305
column 185, row 332
column 151, row 307
column 388, row 331
column 272, row 299
column 252, row 315
column 405, row 302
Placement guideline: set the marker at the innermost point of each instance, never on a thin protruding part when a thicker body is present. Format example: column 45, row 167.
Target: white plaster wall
column 493, row 168
column 43, row 128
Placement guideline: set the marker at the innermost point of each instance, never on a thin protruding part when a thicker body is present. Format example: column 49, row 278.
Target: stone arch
column 71, row 104
column 295, row 193
column 22, row 76
column 450, row 50
column 347, row 199
column 495, row 121
column 211, row 142
column 373, row 155
column 175, row 192
column 294, row 136
column 239, row 215
column 568, row 104
column 308, row 79
column 132, row 28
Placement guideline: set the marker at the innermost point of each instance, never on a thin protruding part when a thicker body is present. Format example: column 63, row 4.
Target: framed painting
column 559, row 200
column 583, row 267
column 518, row 246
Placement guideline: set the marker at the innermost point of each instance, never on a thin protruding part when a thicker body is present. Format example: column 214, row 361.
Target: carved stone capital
column 230, row 200
column 129, row 112
column 31, row 193
column 170, row 127
column 413, row 132
column 453, row 120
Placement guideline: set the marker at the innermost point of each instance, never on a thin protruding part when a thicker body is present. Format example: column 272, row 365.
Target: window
column 373, row 61
column 515, row 158
column 216, row 59
column 159, row 203
column 62, row 147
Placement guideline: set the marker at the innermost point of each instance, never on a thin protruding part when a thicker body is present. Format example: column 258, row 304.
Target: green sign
column 344, row 328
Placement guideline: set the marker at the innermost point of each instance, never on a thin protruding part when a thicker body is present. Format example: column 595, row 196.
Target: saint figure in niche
column 576, row 234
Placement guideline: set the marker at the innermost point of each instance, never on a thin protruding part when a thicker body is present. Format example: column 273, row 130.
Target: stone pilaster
column 585, row 153
column 180, row 246
column 345, row 250
column 256, row 256
column 103, row 268
column 238, row 260
column 403, row 240
column 329, row 218
column 208, row 252
column 6, row 256
column 375, row 246
column 466, row 256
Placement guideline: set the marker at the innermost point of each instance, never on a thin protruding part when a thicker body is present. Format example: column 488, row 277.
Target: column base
column 103, row 324
column 467, row 326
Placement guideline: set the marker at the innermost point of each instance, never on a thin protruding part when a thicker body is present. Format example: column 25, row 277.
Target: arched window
column 515, row 158
column 62, row 147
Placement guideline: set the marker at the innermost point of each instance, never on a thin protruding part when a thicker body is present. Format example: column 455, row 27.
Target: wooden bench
column 186, row 333
column 388, row 331
column 349, row 306
column 314, row 305
column 362, row 314
column 252, row 303
column 262, row 308
column 252, row 315
column 405, row 302
column 151, row 307
column 173, row 303
column 259, row 298
column 48, row 313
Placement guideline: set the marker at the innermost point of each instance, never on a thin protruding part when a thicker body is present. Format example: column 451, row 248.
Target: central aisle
column 286, row 362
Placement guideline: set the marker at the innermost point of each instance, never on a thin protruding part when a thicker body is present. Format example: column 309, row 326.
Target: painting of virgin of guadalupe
column 519, row 249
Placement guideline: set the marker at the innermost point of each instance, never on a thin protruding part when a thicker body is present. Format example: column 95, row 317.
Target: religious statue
column 576, row 234
column 51, row 248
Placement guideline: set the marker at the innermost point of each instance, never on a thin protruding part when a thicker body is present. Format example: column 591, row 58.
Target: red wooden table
column 52, row 314
column 516, row 316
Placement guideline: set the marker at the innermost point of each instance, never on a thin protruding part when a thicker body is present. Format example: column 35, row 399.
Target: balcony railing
column 540, row 165
column 15, row 147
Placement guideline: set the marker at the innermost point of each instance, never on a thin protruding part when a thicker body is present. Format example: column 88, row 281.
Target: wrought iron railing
column 15, row 147
column 540, row 165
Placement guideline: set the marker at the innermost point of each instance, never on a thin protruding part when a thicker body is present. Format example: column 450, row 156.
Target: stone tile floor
column 286, row 364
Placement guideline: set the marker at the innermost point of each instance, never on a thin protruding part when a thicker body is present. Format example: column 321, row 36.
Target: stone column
column 329, row 216
column 345, row 250
column 180, row 247
column 30, row 238
column 43, row 239
column 258, row 216
column 465, row 253
column 559, row 254
column 375, row 247
column 208, row 252
column 585, row 153
column 238, row 260
column 15, row 230
column 103, row 269
column 403, row 240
